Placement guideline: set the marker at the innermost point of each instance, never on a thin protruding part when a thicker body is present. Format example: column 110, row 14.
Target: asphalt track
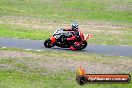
column 111, row 50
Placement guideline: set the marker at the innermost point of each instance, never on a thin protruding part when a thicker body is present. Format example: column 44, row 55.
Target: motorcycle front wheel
column 48, row 43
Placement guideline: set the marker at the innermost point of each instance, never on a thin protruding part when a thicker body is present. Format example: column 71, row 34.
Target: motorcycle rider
column 78, row 36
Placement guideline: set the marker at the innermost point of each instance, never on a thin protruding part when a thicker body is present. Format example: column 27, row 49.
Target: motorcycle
column 60, row 34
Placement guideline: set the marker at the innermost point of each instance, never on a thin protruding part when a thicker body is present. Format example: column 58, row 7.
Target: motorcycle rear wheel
column 83, row 45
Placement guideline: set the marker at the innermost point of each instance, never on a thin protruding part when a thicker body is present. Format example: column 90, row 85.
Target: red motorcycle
column 59, row 34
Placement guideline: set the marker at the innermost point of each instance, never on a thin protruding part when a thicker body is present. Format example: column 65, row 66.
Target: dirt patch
column 121, row 8
column 55, row 64
column 14, row 54
column 43, row 24
column 33, row 23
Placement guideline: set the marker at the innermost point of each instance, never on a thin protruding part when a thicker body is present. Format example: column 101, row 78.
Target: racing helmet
column 74, row 26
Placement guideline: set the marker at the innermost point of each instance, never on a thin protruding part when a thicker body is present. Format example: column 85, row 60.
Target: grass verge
column 23, row 71
column 15, row 79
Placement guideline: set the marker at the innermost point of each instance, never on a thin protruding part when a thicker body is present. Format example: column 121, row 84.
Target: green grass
column 22, row 32
column 23, row 76
column 110, row 10
column 14, row 79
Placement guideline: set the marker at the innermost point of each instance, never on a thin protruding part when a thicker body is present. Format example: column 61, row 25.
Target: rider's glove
column 59, row 39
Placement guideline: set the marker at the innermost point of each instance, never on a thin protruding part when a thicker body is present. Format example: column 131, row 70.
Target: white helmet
column 74, row 26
